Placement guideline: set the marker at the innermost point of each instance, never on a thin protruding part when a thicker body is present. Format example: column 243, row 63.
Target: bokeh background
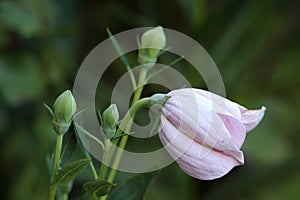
column 254, row 43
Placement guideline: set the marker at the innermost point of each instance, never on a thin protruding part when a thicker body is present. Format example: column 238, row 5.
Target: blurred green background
column 254, row 43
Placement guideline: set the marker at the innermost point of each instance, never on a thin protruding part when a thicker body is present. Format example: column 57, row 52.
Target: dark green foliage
column 68, row 148
column 133, row 188
column 99, row 188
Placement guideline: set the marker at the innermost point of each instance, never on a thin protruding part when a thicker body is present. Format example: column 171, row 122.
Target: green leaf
column 70, row 171
column 69, row 145
column 81, row 145
column 99, row 188
column 132, row 189
column 50, row 161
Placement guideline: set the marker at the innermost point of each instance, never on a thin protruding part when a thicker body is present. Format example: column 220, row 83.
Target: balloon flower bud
column 64, row 110
column 110, row 118
column 151, row 43
column 204, row 132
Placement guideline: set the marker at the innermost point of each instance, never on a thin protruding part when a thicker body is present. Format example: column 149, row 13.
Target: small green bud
column 64, row 110
column 110, row 118
column 151, row 43
column 154, row 38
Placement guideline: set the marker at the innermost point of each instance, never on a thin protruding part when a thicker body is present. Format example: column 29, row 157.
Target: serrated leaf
column 132, row 189
column 70, row 171
column 99, row 188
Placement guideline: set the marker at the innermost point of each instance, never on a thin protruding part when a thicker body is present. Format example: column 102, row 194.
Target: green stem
column 52, row 192
column 59, row 141
column 103, row 197
column 64, row 196
column 102, row 172
column 141, row 84
column 93, row 170
column 106, row 156
column 95, row 197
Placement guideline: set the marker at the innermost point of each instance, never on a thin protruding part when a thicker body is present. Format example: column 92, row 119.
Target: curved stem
column 125, row 125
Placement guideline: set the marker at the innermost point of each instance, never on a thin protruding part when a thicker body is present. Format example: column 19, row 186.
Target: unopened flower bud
column 64, row 110
column 204, row 132
column 110, row 117
column 151, row 43
column 154, row 38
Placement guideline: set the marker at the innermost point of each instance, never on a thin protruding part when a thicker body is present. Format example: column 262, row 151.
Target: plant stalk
column 59, row 141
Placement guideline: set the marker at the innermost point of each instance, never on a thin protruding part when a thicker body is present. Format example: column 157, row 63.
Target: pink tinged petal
column 219, row 138
column 213, row 165
column 235, row 128
column 198, row 121
column 212, row 102
column 251, row 118
column 197, row 160
column 221, row 104
column 203, row 132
